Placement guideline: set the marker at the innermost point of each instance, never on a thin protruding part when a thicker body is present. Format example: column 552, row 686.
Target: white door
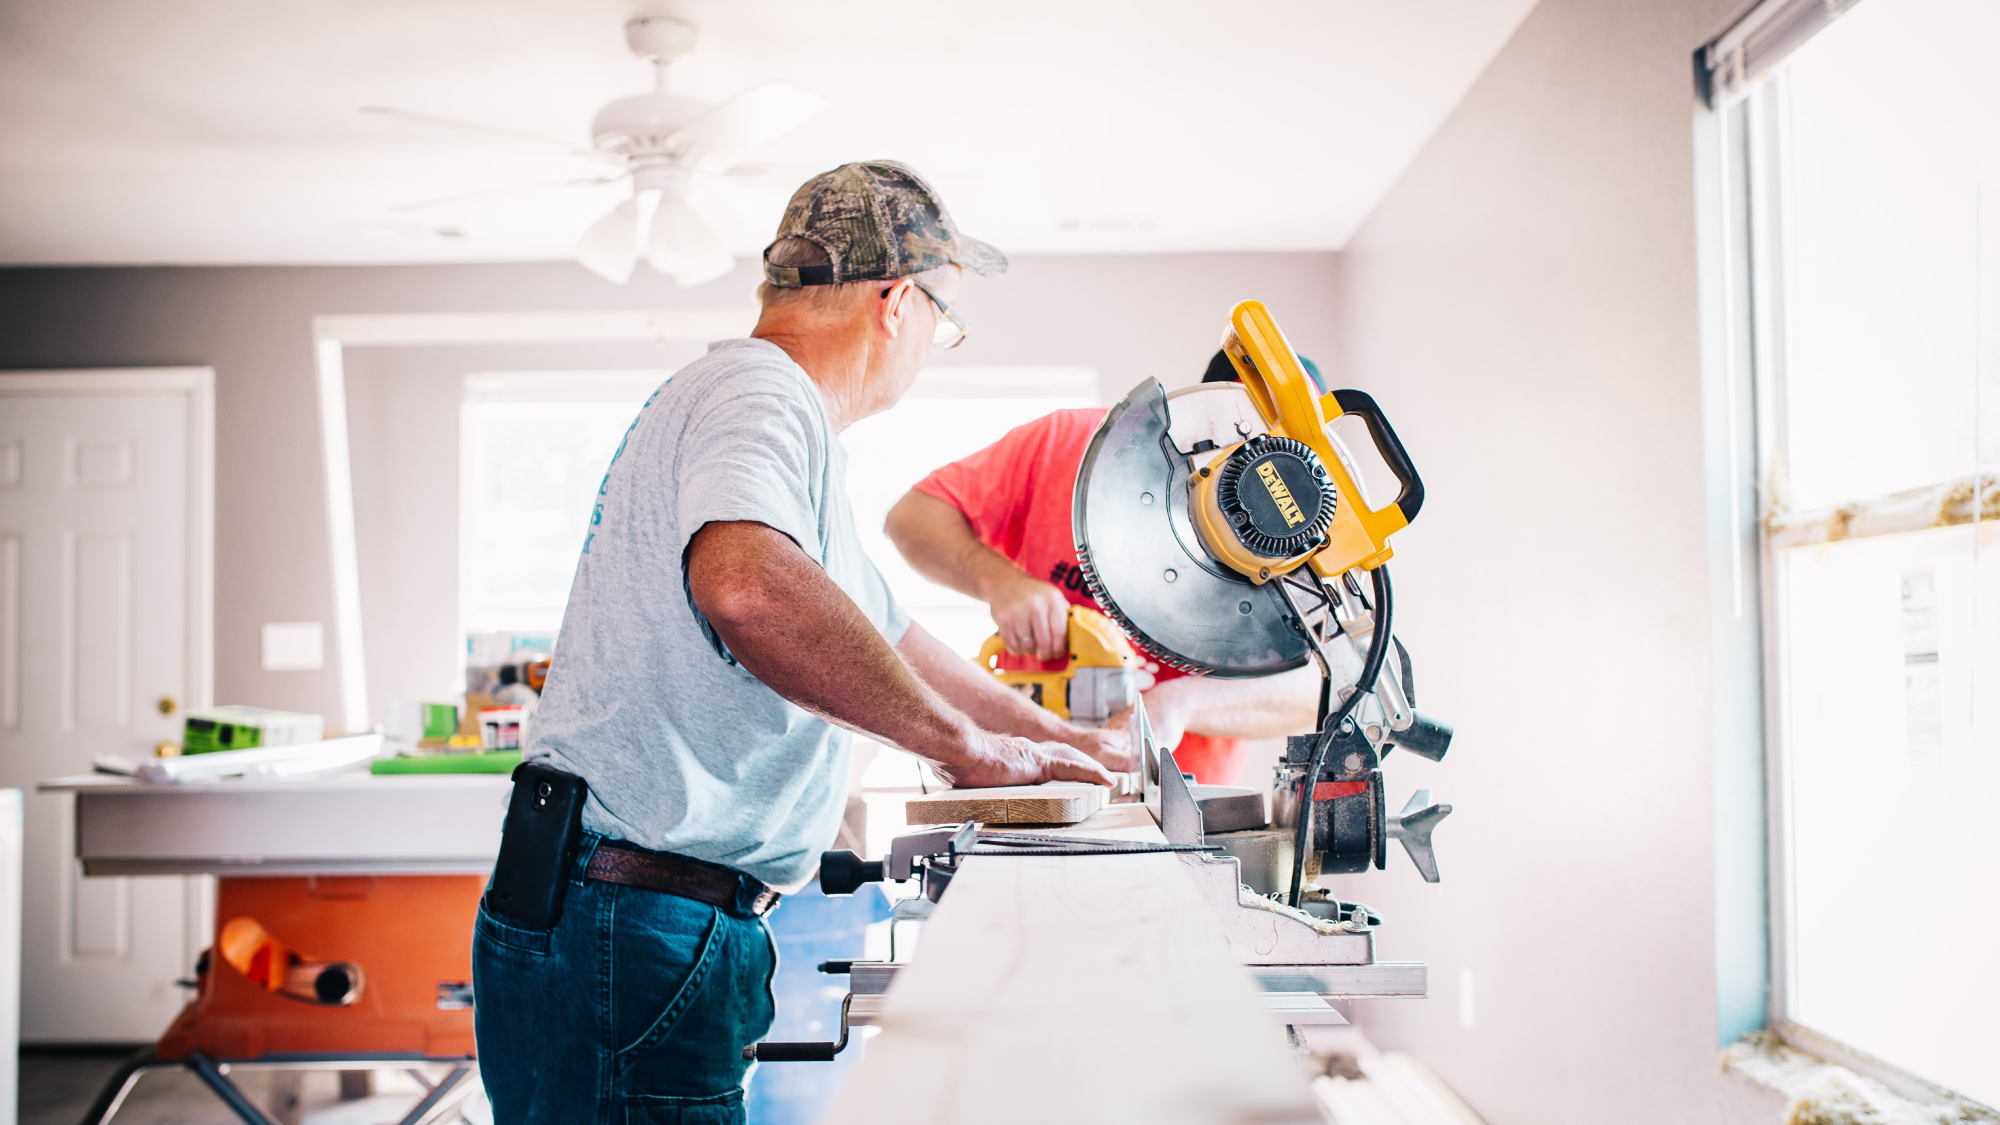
column 103, row 513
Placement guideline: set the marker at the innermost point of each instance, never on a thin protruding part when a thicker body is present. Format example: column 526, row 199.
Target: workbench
column 349, row 824
column 1075, row 989
column 380, row 873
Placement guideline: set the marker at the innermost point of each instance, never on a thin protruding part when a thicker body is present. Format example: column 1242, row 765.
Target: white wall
column 1524, row 304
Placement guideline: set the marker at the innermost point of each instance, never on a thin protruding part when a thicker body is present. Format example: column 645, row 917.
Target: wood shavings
column 1251, row 899
column 1394, row 1089
column 1821, row 1093
column 1953, row 503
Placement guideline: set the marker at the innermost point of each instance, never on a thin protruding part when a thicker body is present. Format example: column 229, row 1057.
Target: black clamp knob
column 842, row 872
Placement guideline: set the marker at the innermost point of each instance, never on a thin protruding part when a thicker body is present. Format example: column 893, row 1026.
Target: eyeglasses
column 951, row 331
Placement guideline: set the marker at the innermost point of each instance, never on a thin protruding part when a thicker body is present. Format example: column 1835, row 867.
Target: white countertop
column 347, row 824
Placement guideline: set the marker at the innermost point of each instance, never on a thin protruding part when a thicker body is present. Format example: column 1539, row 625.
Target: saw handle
column 1361, row 403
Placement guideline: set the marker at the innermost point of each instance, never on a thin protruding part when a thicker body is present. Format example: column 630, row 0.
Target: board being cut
column 1055, row 802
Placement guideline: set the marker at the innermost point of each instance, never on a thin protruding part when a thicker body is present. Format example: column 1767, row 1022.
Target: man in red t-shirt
column 996, row 526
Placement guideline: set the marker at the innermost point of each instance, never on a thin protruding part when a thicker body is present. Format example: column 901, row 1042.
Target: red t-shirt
column 1016, row 494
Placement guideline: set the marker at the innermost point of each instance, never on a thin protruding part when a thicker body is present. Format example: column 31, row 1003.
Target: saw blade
column 1148, row 569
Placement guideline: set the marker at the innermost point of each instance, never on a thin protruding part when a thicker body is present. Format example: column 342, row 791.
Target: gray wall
column 1525, row 302
column 1128, row 316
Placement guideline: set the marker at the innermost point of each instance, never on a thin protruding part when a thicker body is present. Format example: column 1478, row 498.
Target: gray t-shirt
column 684, row 750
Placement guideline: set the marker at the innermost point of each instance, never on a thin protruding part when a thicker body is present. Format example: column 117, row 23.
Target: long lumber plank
column 1087, row 989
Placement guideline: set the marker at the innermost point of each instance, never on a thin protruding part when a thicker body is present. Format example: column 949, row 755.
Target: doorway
column 106, row 591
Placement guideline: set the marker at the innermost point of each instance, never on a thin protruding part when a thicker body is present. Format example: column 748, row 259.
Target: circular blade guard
column 1132, row 530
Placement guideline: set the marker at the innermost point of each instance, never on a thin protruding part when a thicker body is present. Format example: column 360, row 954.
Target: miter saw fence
column 1224, row 527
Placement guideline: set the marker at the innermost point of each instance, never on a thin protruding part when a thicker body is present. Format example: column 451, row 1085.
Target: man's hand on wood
column 1112, row 745
column 1004, row 759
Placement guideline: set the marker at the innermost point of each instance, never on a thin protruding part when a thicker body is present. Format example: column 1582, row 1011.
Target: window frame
column 1748, row 339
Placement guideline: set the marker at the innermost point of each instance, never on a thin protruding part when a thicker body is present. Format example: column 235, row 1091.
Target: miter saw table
column 344, row 911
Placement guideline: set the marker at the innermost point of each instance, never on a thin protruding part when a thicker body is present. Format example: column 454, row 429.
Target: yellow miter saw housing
column 1290, row 495
column 1227, row 528
column 1099, row 678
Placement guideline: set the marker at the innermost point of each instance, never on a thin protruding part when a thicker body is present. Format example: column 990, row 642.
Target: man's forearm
column 792, row 627
column 977, row 692
column 1266, row 707
column 789, row 625
column 938, row 543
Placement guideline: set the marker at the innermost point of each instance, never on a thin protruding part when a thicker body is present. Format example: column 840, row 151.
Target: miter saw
column 1224, row 526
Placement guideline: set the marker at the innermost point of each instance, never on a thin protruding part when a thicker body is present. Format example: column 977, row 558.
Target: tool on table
column 233, row 727
column 1097, row 680
column 305, row 760
column 1226, row 527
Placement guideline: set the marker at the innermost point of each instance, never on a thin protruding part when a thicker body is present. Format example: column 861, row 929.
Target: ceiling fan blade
column 483, row 193
column 686, row 246
column 744, row 123
column 495, row 130
column 610, row 248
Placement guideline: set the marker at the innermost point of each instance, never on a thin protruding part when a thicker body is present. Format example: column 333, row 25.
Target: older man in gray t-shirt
column 724, row 634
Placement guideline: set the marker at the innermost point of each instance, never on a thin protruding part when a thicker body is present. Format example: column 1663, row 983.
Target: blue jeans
column 633, row 1010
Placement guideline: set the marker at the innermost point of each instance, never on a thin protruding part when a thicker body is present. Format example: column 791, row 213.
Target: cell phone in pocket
column 538, row 846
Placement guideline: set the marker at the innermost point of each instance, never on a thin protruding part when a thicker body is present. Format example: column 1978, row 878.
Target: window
column 534, row 447
column 1865, row 162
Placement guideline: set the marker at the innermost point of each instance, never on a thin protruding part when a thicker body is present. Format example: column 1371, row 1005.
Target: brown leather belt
column 670, row 874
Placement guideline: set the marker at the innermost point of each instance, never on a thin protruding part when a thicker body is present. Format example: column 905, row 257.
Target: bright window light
column 1874, row 200
column 534, row 447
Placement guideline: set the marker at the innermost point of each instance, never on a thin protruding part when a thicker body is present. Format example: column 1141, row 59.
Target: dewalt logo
column 1280, row 495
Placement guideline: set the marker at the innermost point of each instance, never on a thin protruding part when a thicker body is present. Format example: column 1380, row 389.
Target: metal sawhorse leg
column 441, row 1099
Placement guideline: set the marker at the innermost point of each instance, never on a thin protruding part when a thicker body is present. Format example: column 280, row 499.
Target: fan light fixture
column 661, row 143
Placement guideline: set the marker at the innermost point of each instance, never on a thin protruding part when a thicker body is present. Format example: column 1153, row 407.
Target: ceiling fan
column 661, row 143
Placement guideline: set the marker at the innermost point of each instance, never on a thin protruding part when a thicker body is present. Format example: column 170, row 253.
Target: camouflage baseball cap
column 877, row 220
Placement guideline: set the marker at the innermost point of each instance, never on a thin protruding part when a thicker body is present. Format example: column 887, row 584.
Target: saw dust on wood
column 1821, row 1093
column 1057, row 802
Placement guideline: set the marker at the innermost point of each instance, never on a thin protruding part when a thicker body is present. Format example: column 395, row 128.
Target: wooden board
column 1057, row 802
column 1085, row 989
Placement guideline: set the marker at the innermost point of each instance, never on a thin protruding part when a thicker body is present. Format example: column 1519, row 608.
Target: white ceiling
column 228, row 131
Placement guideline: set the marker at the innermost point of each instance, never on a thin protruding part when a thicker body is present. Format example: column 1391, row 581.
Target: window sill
column 1825, row 1081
